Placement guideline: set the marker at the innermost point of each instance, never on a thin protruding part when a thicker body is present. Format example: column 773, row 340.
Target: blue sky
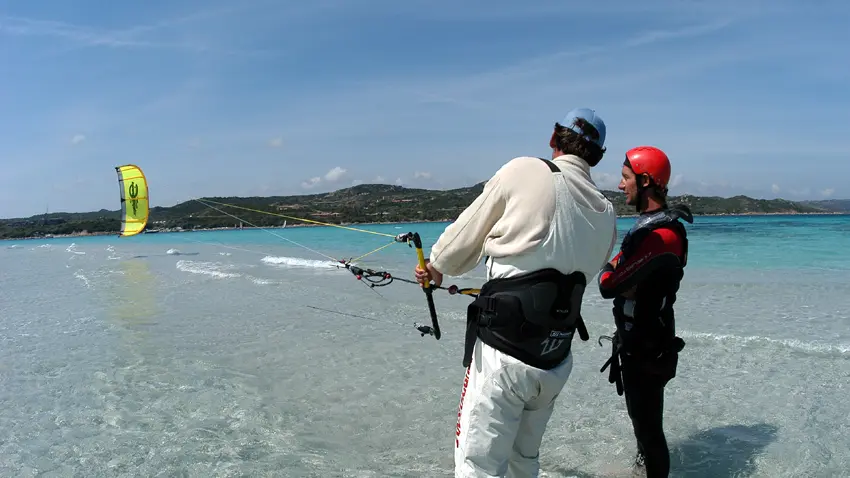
column 262, row 97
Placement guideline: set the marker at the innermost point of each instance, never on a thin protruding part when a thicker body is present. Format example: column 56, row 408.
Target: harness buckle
column 485, row 319
column 489, row 304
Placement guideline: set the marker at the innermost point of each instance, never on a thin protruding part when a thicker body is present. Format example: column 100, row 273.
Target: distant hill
column 831, row 205
column 359, row 204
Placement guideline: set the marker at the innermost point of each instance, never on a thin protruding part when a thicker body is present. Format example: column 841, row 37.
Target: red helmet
column 651, row 161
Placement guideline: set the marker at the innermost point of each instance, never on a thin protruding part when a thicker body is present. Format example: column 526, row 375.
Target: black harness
column 531, row 317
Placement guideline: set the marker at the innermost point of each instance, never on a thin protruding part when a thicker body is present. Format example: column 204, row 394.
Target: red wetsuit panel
column 660, row 248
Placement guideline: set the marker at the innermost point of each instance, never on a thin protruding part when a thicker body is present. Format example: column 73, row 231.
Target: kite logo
column 134, row 192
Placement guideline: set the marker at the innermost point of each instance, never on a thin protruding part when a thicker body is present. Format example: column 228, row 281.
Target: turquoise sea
column 226, row 353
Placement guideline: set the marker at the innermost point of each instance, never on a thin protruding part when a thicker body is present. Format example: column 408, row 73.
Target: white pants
column 504, row 408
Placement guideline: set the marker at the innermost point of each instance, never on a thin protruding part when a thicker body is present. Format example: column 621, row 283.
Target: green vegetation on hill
column 830, row 205
column 359, row 204
column 703, row 205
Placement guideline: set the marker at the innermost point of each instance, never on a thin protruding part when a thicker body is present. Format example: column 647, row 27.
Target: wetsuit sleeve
column 660, row 248
column 461, row 246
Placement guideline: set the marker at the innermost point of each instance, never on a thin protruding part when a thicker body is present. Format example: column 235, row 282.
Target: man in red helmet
column 643, row 279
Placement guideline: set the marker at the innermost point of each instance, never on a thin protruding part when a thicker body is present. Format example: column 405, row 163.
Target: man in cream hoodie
column 545, row 230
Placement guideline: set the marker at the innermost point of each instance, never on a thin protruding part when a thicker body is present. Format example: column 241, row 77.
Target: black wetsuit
column 643, row 284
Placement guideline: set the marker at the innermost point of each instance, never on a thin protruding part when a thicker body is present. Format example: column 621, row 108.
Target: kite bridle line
column 372, row 278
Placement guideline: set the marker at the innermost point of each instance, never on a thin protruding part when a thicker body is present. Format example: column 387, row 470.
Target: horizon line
column 151, row 207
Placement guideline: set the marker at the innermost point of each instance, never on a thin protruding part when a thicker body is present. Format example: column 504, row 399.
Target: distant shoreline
column 356, row 224
column 206, row 229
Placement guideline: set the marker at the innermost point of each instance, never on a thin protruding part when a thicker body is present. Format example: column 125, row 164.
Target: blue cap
column 591, row 117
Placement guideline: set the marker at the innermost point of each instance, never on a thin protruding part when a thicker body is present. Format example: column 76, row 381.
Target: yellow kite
column 134, row 199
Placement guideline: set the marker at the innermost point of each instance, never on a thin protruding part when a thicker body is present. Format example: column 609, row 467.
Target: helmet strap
column 640, row 198
column 641, row 202
column 643, row 192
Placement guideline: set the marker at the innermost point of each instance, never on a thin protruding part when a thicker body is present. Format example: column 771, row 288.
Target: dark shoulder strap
column 552, row 166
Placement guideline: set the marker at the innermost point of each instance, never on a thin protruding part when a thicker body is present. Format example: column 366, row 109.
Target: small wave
column 809, row 347
column 73, row 249
column 79, row 275
column 297, row 262
column 206, row 268
column 177, row 252
column 13, row 246
column 258, row 281
column 224, row 253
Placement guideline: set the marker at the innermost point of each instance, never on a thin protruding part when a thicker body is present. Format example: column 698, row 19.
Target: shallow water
column 200, row 354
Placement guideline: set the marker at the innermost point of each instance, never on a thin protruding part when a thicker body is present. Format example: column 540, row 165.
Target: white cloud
column 356, row 182
column 497, row 80
column 676, row 181
column 335, row 174
column 78, row 138
column 379, row 180
column 828, row 192
column 775, row 188
column 605, row 180
column 136, row 37
column 422, row 175
column 399, row 182
column 311, row 183
column 276, row 142
column 654, row 36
